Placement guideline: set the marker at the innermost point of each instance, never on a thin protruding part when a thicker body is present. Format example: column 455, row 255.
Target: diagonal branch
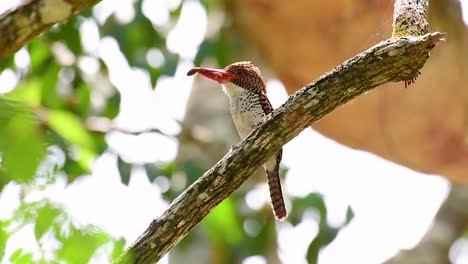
column 391, row 60
column 33, row 17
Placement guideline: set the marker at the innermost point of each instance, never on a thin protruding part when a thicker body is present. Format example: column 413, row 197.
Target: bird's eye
column 238, row 72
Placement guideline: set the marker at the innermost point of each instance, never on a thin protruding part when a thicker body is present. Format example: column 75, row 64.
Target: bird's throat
column 232, row 90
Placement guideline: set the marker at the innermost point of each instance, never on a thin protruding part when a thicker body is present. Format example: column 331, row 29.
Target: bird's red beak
column 218, row 75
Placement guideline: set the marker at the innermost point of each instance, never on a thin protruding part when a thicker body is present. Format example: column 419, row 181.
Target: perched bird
column 244, row 85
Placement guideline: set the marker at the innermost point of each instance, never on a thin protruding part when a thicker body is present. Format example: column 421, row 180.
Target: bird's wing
column 266, row 105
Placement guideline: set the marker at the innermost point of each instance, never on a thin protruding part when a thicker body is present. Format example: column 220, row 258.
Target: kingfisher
column 243, row 84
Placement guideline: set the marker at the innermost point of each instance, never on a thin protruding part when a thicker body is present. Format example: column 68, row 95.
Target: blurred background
column 100, row 129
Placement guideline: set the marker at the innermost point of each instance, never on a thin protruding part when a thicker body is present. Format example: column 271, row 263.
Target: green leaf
column 81, row 244
column 46, row 217
column 16, row 255
column 316, row 201
column 154, row 75
column 223, row 223
column 8, row 62
column 4, row 235
column 170, row 65
column 73, row 169
column 226, row 45
column 22, row 146
column 193, row 169
column 349, row 215
column 83, row 93
column 152, row 171
column 176, row 12
column 27, row 92
column 39, row 53
column 119, row 247
column 85, row 158
column 209, row 4
column 19, row 257
column 49, row 79
column 125, row 170
column 112, row 106
column 71, row 128
column 68, row 33
column 206, row 50
column 262, row 242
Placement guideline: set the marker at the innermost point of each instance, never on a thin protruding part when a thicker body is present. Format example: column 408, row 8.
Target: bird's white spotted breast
column 246, row 109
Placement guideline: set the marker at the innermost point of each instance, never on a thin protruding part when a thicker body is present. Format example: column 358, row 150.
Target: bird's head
column 243, row 74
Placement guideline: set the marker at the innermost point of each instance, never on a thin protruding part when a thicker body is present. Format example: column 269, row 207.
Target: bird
column 244, row 85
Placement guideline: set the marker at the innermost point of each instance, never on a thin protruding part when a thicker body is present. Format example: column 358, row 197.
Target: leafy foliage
column 51, row 223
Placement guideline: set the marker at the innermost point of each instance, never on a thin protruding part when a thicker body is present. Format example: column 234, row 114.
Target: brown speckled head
column 249, row 76
column 243, row 74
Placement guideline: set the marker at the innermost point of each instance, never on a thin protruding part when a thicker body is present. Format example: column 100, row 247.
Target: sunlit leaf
column 222, row 224
column 46, row 216
column 70, row 127
column 19, row 257
column 39, row 53
column 81, row 245
column 27, row 92
column 176, row 12
column 119, row 247
column 4, row 235
column 73, row 169
column 125, row 170
column 83, row 94
column 49, row 80
column 23, row 148
column 86, row 156
column 209, row 4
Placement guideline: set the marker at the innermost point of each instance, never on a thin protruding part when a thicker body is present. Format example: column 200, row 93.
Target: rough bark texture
column 391, row 60
column 410, row 18
column 449, row 225
column 28, row 20
column 424, row 128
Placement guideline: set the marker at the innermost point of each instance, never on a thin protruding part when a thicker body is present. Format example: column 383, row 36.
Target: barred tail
column 274, row 184
column 276, row 195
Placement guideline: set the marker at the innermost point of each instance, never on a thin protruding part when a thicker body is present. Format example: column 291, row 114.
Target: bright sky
column 388, row 211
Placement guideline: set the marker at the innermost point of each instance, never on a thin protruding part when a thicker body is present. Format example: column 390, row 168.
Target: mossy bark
column 19, row 26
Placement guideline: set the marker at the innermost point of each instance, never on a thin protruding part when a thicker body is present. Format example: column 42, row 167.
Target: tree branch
column 28, row 20
column 391, row 60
